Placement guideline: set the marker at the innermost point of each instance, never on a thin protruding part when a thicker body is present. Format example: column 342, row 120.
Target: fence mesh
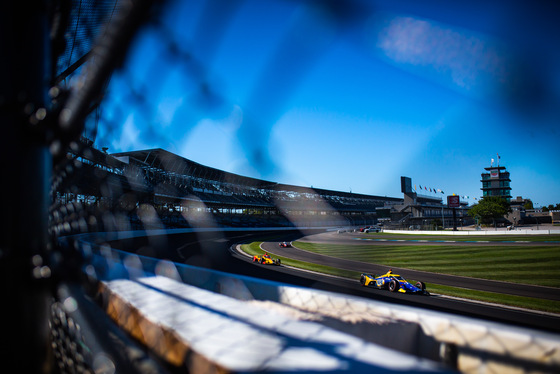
column 128, row 74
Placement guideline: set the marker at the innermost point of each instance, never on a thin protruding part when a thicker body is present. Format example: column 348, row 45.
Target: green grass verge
column 533, row 264
column 254, row 249
column 516, row 301
column 497, row 298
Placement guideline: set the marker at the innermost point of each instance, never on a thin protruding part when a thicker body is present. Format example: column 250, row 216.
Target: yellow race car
column 267, row 260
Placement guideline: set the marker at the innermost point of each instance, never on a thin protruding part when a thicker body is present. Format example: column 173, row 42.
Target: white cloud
column 470, row 60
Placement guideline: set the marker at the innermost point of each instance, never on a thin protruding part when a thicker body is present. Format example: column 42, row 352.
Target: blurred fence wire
column 112, row 62
column 243, row 64
column 174, row 76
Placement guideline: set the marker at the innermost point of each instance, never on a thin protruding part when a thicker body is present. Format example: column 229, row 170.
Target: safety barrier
column 475, row 232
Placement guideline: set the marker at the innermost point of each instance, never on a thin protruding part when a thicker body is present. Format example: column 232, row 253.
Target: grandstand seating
column 117, row 185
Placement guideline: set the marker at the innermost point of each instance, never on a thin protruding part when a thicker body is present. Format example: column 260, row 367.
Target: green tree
column 550, row 207
column 528, row 205
column 437, row 224
column 490, row 208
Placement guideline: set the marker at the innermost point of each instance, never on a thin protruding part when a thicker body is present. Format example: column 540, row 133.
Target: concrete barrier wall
column 475, row 232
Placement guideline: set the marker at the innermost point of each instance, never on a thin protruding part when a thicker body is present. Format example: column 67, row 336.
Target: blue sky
column 349, row 97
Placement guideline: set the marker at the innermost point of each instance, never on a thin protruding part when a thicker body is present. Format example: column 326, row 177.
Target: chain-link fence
column 86, row 77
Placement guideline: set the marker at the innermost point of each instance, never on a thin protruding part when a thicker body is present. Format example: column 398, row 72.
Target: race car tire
column 278, row 262
column 421, row 285
column 261, row 261
column 393, row 286
column 362, row 280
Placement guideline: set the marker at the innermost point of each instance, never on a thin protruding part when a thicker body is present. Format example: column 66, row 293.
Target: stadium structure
column 184, row 194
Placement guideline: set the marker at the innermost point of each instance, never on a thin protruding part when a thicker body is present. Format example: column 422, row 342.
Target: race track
column 216, row 250
column 540, row 292
column 494, row 312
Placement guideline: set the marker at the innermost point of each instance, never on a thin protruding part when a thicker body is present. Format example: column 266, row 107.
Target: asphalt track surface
column 215, row 251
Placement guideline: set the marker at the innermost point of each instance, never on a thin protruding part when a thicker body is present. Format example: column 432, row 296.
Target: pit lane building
column 419, row 211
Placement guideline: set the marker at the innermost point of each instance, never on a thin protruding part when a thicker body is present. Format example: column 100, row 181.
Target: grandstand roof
column 161, row 159
column 428, row 199
column 164, row 160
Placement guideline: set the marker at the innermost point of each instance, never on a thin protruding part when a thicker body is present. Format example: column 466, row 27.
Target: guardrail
column 203, row 319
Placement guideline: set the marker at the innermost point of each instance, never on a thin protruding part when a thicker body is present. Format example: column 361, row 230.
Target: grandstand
column 187, row 194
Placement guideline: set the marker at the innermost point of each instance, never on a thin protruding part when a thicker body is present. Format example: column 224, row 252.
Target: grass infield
column 533, row 264
column 530, row 264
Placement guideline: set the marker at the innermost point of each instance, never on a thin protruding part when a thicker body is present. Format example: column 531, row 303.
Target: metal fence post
column 26, row 168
